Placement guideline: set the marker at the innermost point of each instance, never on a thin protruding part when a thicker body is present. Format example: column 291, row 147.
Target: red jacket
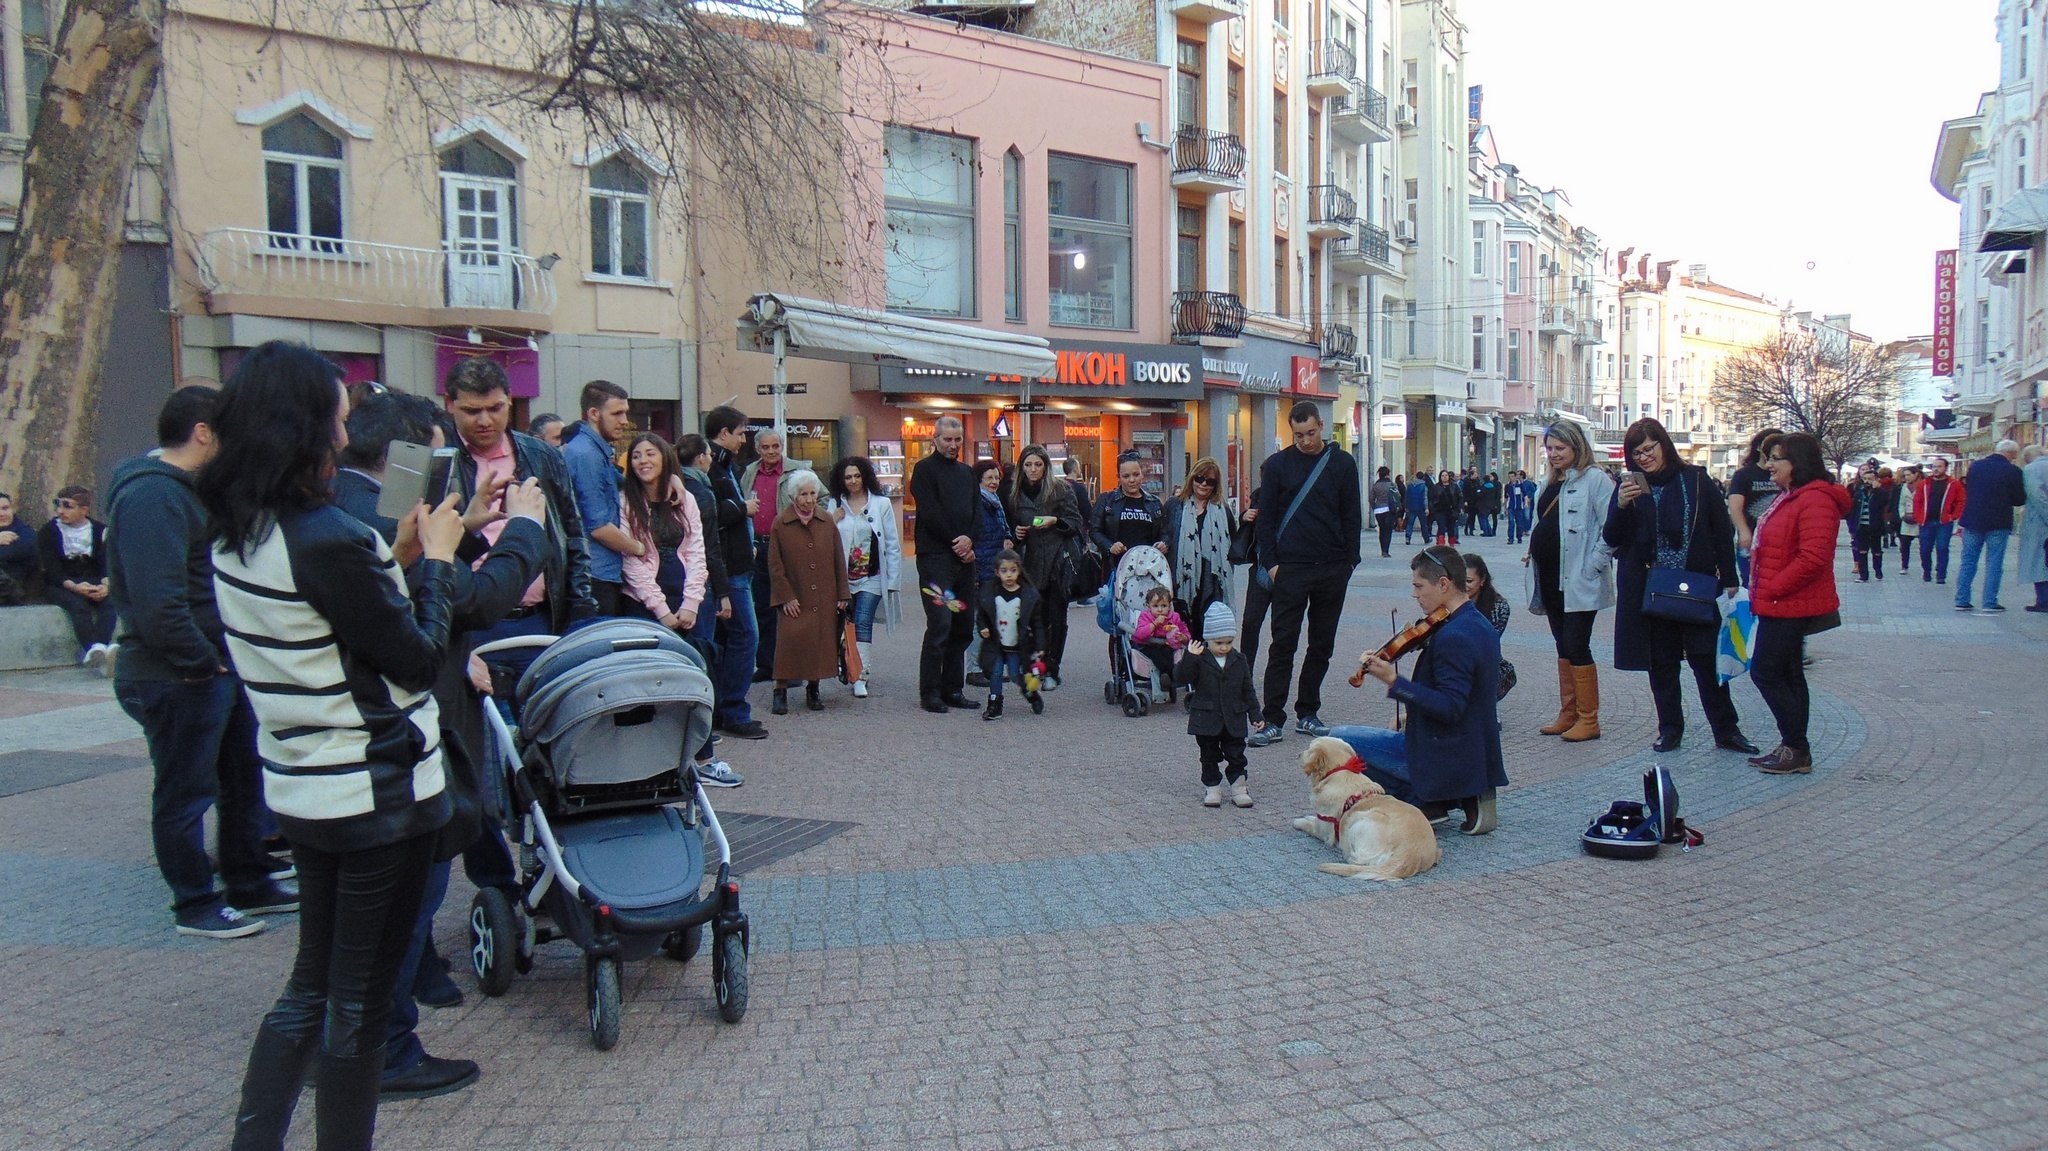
column 1951, row 501
column 1792, row 560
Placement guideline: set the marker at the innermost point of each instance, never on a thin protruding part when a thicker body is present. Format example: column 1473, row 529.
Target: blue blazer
column 1453, row 732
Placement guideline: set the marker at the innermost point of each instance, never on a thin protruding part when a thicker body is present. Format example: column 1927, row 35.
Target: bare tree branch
column 1843, row 392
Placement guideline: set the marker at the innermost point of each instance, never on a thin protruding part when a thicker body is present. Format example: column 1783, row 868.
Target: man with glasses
column 73, row 552
column 1449, row 753
column 1309, row 536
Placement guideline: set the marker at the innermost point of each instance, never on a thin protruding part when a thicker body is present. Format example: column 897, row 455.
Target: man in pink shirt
column 763, row 481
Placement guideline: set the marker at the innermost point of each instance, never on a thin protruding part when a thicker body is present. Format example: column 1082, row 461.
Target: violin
column 1405, row 641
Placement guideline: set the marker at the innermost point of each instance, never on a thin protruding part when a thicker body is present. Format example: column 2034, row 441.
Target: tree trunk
column 57, row 295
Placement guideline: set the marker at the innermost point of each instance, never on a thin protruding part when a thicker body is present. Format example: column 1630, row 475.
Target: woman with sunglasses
column 1668, row 514
column 1792, row 590
column 1198, row 530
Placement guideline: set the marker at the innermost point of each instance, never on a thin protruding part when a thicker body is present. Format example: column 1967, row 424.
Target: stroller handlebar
column 513, row 643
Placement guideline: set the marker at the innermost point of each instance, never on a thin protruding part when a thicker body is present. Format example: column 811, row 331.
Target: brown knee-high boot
column 1568, row 701
column 1587, row 680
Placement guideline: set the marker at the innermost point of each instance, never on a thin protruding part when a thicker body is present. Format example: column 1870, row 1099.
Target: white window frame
column 616, row 200
column 308, row 242
column 1514, row 269
column 970, row 290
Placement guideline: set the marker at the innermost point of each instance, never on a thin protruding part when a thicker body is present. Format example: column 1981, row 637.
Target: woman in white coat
column 874, row 549
column 1570, row 573
column 2034, row 528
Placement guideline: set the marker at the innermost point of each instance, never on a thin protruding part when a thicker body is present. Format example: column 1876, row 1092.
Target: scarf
column 1203, row 549
column 1673, row 517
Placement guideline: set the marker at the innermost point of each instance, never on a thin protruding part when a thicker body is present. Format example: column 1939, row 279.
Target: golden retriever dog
column 1381, row 837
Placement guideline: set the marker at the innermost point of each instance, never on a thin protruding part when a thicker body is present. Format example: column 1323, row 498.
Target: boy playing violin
column 1449, row 755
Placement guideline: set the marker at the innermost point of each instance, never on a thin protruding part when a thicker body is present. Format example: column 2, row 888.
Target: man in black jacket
column 739, row 634
column 1309, row 529
column 174, row 679
column 948, row 519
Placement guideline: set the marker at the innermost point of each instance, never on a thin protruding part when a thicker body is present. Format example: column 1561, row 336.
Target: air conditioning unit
column 1405, row 231
column 1365, row 363
column 1404, row 117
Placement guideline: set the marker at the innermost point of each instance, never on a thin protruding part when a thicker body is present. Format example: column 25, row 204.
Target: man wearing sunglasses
column 73, row 551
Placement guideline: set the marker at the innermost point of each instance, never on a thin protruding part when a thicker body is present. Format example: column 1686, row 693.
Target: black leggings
column 1052, row 615
column 1777, row 667
column 1573, row 631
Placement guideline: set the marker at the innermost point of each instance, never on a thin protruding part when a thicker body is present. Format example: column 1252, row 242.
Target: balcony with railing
column 1485, row 393
column 1557, row 320
column 1590, row 332
column 1339, row 343
column 1332, row 68
column 1205, row 161
column 1214, row 318
column 250, row 266
column 1364, row 253
column 1331, row 211
column 1207, row 11
column 1360, row 116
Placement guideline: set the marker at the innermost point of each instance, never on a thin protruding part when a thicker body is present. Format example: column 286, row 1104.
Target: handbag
column 1680, row 596
column 850, row 669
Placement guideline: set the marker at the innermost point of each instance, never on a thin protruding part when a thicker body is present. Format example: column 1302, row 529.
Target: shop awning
column 2018, row 223
column 1483, row 423
column 1572, row 417
column 818, row 330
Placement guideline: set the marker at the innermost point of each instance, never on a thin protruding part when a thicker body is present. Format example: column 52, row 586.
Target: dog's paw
column 1306, row 823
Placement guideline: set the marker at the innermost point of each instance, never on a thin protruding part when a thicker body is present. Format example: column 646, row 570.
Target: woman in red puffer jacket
column 1792, row 590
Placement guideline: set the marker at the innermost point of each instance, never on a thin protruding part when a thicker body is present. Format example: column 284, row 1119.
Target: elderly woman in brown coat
column 807, row 584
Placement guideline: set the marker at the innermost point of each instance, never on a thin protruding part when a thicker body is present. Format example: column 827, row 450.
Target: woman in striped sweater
column 340, row 667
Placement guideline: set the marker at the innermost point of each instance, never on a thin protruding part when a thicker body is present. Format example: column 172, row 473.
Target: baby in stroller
column 1137, row 676
column 1160, row 634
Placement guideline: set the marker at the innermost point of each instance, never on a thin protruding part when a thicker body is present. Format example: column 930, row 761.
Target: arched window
column 480, row 224
column 302, row 184
column 621, row 214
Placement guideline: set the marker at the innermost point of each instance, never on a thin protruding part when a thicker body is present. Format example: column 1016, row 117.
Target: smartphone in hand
column 412, row 473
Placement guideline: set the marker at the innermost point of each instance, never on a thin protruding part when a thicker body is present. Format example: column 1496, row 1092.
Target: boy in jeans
column 1008, row 617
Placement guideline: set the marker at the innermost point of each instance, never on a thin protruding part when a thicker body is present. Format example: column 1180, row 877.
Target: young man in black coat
column 1221, row 703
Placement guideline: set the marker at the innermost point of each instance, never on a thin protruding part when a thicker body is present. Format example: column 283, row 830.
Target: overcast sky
column 1754, row 136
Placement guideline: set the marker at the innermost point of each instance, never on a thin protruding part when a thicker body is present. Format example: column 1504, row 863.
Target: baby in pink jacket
column 1160, row 632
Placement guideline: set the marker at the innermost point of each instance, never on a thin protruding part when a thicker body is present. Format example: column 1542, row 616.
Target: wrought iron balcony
column 1364, row 254
column 253, row 263
column 1360, row 116
column 1332, row 69
column 1205, row 161
column 1207, row 11
column 1203, row 316
column 1331, row 210
column 1339, row 342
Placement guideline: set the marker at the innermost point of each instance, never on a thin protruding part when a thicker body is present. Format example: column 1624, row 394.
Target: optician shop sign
column 1084, row 369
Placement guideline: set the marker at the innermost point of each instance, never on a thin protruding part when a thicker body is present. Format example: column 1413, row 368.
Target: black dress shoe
column 956, row 699
column 932, row 703
column 429, row 1077
column 780, row 704
column 1668, row 742
column 1735, row 741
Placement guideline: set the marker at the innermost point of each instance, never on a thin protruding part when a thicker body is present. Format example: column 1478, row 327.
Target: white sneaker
column 860, row 689
column 719, row 773
column 1213, row 797
column 1240, row 795
column 1049, row 683
column 94, row 657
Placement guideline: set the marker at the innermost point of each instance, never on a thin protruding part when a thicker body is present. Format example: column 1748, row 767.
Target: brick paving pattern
column 1034, row 936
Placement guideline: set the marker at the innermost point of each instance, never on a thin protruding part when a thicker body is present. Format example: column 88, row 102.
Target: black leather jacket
column 567, row 564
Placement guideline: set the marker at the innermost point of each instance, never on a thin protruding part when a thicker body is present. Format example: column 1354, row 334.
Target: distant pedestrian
column 874, row 551
column 1750, row 492
column 546, row 427
column 1417, row 517
column 808, row 589
column 2034, row 529
column 1070, row 468
column 761, row 482
column 738, row 633
column 1521, row 504
column 948, row 520
column 1310, row 544
column 1007, row 621
column 1447, row 507
column 1902, row 518
column 992, row 537
column 18, row 566
column 1489, row 504
column 1937, row 505
column 1671, row 515
column 1792, row 591
column 1221, row 706
column 72, row 548
column 1992, row 490
column 1573, row 573
column 1385, row 499
column 1867, row 519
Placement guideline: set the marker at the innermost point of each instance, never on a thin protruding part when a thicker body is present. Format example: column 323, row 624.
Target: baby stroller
column 610, row 818
column 1133, row 681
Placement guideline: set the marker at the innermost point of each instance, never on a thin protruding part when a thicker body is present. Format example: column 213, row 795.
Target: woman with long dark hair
column 1571, row 573
column 1494, row 606
column 1045, row 517
column 1792, row 591
column 666, row 583
column 340, row 668
column 873, row 547
column 1447, row 507
column 1668, row 514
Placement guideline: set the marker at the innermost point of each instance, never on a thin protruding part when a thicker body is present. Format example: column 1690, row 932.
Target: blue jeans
column 1992, row 545
column 1518, row 524
column 402, row 1050
column 863, row 608
column 1934, row 550
column 202, row 741
column 737, row 639
column 1385, row 753
column 1007, row 665
column 1414, row 520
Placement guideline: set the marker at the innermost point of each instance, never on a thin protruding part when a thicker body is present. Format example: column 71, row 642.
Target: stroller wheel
column 1109, row 692
column 730, row 980
column 1131, row 708
column 494, row 936
column 601, row 988
column 1144, row 704
column 682, row 946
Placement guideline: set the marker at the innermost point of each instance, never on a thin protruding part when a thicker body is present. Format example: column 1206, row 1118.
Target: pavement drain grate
column 760, row 840
column 25, row 771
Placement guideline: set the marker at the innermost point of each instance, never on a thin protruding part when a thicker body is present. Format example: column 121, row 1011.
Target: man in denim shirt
column 592, row 468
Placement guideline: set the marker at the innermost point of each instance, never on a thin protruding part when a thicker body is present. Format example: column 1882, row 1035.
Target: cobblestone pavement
column 1035, row 936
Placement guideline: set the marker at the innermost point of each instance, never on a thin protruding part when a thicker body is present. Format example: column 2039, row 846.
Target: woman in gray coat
column 1571, row 573
column 1047, row 519
column 2034, row 528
